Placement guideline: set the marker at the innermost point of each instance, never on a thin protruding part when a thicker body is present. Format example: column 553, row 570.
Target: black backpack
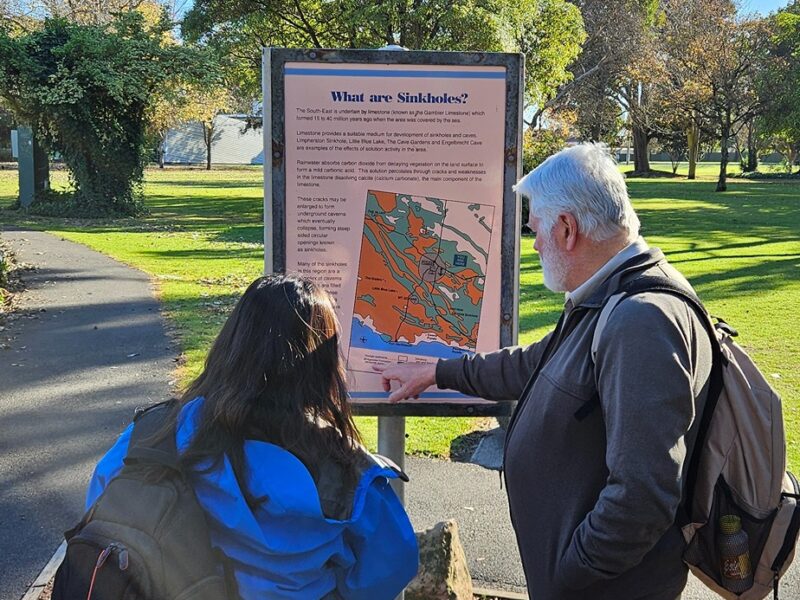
column 146, row 536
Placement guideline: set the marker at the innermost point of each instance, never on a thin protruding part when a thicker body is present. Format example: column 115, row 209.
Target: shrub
column 537, row 145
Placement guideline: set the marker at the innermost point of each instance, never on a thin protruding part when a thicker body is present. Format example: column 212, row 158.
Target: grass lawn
column 202, row 245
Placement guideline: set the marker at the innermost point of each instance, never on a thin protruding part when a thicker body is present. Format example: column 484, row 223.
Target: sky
column 763, row 6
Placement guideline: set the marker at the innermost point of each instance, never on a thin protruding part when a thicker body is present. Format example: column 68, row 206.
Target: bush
column 69, row 204
column 537, row 145
column 772, row 175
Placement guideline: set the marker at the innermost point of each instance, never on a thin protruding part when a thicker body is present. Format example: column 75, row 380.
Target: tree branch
column 565, row 89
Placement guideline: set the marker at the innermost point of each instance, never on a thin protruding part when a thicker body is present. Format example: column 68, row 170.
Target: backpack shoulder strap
column 602, row 321
column 652, row 283
column 150, row 444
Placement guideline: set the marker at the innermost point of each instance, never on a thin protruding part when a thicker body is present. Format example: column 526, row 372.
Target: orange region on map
column 418, row 282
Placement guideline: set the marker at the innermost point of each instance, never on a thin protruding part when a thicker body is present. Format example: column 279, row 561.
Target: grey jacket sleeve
column 500, row 375
column 653, row 360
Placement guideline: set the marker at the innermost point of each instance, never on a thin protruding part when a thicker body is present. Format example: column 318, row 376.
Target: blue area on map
column 362, row 336
column 460, row 260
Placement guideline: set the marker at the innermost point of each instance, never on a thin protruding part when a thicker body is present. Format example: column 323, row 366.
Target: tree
column 781, row 121
column 674, row 141
column 86, row 90
column 734, row 82
column 204, row 107
column 686, row 30
column 550, row 32
column 85, row 12
column 181, row 102
column 598, row 118
column 611, row 77
column 717, row 63
column 749, row 143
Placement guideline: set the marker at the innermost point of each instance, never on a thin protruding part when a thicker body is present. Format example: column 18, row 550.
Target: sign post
column 34, row 169
column 392, row 444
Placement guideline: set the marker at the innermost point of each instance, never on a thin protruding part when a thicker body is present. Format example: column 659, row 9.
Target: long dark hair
column 275, row 374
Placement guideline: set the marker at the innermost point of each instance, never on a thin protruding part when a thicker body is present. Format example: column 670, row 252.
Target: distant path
column 68, row 385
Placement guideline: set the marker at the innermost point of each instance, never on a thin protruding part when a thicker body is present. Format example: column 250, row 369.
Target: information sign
column 390, row 185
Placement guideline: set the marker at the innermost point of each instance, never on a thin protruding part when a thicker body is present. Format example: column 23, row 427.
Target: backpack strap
column 666, row 285
column 388, row 463
column 149, row 443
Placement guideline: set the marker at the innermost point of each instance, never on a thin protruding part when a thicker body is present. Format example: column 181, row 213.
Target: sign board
column 390, row 186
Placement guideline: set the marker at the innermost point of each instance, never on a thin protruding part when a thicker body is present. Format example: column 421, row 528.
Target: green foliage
column 781, row 122
column 675, row 144
column 549, row 32
column 538, row 144
column 86, row 89
column 6, row 125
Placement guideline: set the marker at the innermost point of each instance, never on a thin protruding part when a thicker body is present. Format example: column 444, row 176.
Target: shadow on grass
column 752, row 218
column 206, row 183
column 463, row 447
column 735, row 243
column 209, row 253
column 253, row 234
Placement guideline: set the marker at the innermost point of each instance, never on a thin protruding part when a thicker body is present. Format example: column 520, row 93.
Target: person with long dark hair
column 266, row 435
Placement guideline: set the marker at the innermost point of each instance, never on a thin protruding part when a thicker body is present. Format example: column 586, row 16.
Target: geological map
column 421, row 279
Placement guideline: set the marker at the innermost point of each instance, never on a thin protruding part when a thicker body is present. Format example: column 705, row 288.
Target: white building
column 233, row 143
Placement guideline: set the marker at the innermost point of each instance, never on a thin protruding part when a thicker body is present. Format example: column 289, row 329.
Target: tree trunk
column 641, row 150
column 208, row 135
column 162, row 142
column 752, row 151
column 722, row 183
column 693, row 139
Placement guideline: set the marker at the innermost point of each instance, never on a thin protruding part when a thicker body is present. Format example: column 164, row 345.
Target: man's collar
column 584, row 291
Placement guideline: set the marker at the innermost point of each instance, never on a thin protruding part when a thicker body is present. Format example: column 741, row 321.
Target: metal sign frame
column 274, row 60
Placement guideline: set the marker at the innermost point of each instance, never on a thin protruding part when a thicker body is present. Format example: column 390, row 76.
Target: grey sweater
column 593, row 500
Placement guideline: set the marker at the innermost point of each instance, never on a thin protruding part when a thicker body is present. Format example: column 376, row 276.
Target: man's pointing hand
column 413, row 380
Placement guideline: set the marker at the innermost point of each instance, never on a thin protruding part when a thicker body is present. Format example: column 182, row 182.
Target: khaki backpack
column 738, row 466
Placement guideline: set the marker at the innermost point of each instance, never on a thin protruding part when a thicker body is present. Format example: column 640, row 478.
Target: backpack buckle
column 721, row 325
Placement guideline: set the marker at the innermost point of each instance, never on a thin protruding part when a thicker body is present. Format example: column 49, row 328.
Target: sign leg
column 392, row 444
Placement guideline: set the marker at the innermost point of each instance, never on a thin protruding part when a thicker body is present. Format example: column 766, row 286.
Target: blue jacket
column 287, row 549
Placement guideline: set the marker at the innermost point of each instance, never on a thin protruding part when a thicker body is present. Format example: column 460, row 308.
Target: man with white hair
column 596, row 452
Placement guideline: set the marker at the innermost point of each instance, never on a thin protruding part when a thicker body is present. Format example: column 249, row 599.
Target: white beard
column 554, row 270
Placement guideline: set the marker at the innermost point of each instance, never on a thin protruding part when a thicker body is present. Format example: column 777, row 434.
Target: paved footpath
column 89, row 346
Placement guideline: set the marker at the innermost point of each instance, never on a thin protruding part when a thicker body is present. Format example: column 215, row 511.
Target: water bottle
column 734, row 553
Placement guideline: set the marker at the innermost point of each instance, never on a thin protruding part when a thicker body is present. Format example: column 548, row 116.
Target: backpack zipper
column 101, row 560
